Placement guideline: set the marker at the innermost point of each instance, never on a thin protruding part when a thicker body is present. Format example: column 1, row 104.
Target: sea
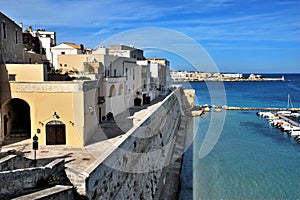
column 250, row 158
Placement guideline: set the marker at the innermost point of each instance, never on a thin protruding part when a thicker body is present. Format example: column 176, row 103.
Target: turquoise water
column 251, row 159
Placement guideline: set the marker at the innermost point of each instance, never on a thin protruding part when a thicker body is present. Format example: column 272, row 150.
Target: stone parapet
column 133, row 168
column 54, row 86
column 15, row 182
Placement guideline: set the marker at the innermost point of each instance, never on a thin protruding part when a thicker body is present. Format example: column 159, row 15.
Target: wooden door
column 55, row 134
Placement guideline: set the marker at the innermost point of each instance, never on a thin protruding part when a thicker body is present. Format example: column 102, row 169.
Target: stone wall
column 134, row 168
column 12, row 162
column 17, row 182
column 62, row 192
column 11, row 41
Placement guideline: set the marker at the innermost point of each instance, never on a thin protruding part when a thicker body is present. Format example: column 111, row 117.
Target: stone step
column 56, row 192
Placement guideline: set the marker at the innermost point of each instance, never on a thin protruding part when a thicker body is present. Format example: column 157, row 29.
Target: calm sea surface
column 251, row 159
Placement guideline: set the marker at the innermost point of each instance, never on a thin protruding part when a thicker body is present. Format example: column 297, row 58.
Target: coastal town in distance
column 184, row 76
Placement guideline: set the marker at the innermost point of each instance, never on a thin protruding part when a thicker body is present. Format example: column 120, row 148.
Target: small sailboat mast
column 289, row 102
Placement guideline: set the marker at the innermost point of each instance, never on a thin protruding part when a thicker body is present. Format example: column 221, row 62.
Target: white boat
column 285, row 113
column 295, row 133
column 284, row 125
column 287, row 127
column 296, row 115
column 274, row 122
column 268, row 115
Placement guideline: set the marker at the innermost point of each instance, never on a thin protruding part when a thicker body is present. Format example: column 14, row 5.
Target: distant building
column 143, row 79
column 67, row 48
column 159, row 75
column 176, row 76
column 121, row 77
column 232, row 75
column 254, row 77
column 11, row 41
column 126, row 51
column 41, row 43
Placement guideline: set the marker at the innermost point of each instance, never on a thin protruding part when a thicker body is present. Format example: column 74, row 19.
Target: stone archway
column 112, row 91
column 16, row 121
column 55, row 133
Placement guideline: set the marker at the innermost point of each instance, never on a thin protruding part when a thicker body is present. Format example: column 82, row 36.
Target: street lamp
column 35, row 146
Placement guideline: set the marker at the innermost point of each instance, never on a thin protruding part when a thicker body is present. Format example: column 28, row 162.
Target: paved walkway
column 80, row 158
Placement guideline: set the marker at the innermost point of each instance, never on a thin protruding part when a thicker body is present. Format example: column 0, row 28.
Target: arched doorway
column 16, row 119
column 112, row 91
column 55, row 133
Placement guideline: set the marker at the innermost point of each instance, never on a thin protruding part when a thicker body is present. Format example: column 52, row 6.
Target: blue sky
column 240, row 36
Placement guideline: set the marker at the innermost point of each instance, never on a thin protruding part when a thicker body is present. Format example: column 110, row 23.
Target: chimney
column 30, row 29
column 82, row 48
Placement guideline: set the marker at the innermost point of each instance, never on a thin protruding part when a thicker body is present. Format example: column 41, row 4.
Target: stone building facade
column 11, row 41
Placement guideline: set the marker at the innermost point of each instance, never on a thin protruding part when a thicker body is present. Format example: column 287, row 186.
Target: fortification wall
column 135, row 167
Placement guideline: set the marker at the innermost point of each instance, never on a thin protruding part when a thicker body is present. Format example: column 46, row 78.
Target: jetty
column 283, row 121
column 292, row 122
column 255, row 108
column 246, row 108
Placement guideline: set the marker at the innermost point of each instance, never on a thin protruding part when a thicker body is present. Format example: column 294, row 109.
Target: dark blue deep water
column 251, row 159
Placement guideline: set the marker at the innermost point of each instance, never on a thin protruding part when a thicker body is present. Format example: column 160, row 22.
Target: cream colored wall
column 24, row 72
column 67, row 105
column 90, row 113
column 72, row 61
column 77, row 61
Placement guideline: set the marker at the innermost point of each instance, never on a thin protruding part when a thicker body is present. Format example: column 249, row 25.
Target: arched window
column 112, row 91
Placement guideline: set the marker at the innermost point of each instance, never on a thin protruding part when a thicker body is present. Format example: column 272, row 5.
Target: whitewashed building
column 47, row 40
column 66, row 48
column 159, row 76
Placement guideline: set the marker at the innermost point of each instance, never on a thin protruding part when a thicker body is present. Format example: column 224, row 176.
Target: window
column 63, row 53
column 12, row 77
column 4, row 29
column 126, row 70
column 43, row 51
column 133, row 74
column 108, row 72
column 115, row 72
column 16, row 35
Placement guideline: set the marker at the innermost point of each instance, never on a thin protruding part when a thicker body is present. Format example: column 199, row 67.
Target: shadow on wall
column 5, row 94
